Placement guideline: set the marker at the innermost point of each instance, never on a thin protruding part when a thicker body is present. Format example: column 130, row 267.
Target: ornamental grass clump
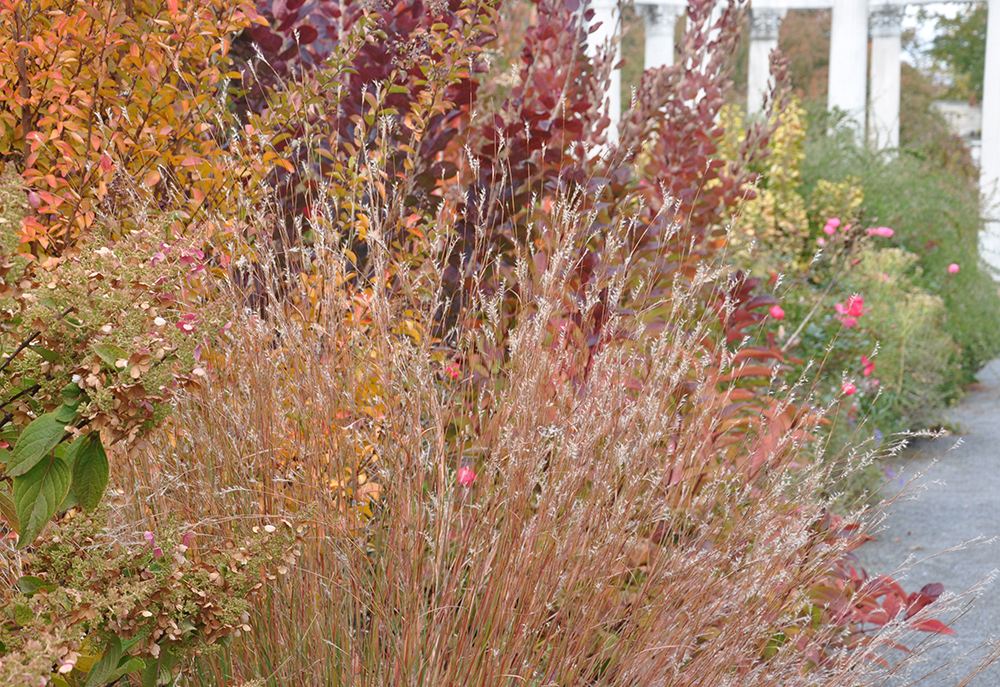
column 578, row 516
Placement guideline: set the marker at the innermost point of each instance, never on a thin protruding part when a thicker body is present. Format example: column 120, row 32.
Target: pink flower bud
column 466, row 476
column 776, row 312
column 829, row 230
column 848, row 388
column 953, row 268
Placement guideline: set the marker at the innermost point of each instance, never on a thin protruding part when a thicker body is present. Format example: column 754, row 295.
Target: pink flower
column 867, row 366
column 466, row 476
column 848, row 388
column 953, row 268
column 821, row 241
column 831, row 226
column 452, row 371
column 850, row 312
column 776, row 312
column 884, row 232
column 150, row 538
column 186, row 323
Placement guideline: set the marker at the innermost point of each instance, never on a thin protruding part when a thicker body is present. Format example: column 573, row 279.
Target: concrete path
column 960, row 502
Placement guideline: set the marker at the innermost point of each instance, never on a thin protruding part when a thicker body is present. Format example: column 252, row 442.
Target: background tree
column 959, row 49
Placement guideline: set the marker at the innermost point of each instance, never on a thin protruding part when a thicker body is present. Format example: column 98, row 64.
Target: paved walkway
column 961, row 502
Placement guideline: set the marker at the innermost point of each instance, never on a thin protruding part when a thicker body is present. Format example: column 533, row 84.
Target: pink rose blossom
column 776, row 312
column 466, row 476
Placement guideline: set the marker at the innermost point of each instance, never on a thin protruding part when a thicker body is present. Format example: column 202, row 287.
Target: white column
column 883, row 113
column 660, row 20
column 989, row 161
column 764, row 25
column 849, row 61
column 606, row 36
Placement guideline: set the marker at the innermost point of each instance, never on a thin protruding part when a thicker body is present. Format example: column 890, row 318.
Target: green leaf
column 66, row 413
column 71, row 501
column 37, row 495
column 29, row 585
column 102, row 671
column 37, row 439
column 23, row 614
column 130, row 666
column 109, row 353
column 8, row 511
column 90, row 469
column 46, row 354
column 71, row 392
column 150, row 673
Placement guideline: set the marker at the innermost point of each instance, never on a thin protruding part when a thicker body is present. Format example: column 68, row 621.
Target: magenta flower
column 452, row 371
column 850, row 312
column 867, row 366
column 466, row 476
column 776, row 312
column 884, row 232
column 831, row 226
column 186, row 323
column 953, row 268
column 848, row 388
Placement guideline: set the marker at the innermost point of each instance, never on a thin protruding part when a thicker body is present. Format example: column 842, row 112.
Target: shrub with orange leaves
column 97, row 96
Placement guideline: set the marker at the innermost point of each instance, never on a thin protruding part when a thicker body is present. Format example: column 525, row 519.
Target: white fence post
column 989, row 163
column 765, row 22
column 883, row 117
column 849, row 61
column 660, row 20
column 607, row 13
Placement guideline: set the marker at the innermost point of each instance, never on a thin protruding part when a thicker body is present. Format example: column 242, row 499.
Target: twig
column 27, row 342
